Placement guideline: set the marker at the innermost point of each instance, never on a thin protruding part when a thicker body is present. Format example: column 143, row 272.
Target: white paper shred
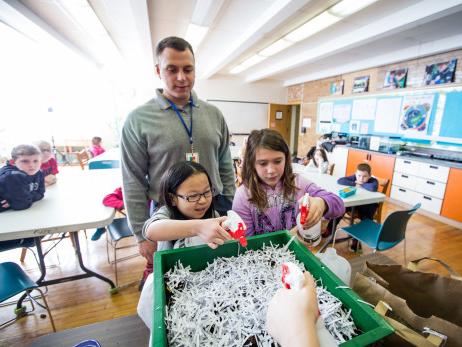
column 225, row 304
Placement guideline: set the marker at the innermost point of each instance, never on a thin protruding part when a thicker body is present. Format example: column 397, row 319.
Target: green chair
column 13, row 280
column 384, row 236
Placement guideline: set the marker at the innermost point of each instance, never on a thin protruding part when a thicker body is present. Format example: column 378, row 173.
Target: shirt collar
column 164, row 104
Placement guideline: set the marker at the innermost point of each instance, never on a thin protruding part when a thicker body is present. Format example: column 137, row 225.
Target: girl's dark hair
column 272, row 140
column 323, row 155
column 173, row 178
column 310, row 154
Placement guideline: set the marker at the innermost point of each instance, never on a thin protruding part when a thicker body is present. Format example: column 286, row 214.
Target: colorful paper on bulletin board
column 341, row 113
column 415, row 114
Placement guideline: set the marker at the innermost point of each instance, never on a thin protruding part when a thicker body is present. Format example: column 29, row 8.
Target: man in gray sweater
column 174, row 126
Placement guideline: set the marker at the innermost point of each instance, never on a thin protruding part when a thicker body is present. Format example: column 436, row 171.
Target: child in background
column 22, row 183
column 362, row 178
column 96, row 148
column 269, row 198
column 309, row 156
column 49, row 165
column 319, row 161
column 115, row 200
column 186, row 216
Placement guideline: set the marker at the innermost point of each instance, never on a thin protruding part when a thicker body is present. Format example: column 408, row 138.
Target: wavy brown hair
column 272, row 140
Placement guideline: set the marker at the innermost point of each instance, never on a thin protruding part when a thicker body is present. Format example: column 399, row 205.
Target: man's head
column 175, row 67
column 26, row 158
column 363, row 173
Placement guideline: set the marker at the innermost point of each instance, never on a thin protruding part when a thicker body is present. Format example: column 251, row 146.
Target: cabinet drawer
column 404, row 180
column 406, row 166
column 434, row 172
column 429, row 203
column 429, row 187
column 403, row 194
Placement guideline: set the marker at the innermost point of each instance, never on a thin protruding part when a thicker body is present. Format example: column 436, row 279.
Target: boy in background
column 21, row 183
column 96, row 148
column 49, row 165
column 362, row 178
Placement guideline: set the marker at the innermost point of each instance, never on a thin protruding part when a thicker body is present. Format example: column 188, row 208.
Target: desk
column 72, row 204
column 329, row 183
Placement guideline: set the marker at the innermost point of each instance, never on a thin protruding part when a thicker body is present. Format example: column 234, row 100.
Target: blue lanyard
column 189, row 131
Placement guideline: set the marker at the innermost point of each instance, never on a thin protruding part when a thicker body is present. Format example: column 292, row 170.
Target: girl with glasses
column 186, row 216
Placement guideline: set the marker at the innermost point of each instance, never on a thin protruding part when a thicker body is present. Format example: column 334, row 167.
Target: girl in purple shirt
column 269, row 198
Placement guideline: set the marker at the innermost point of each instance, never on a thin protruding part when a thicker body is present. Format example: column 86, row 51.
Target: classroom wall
column 308, row 93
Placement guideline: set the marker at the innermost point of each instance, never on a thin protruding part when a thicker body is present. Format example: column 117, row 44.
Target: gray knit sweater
column 153, row 138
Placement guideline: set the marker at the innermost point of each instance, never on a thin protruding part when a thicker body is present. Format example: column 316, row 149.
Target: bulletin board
column 409, row 115
column 451, row 122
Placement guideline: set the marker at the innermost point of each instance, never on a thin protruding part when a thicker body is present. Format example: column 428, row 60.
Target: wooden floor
column 87, row 301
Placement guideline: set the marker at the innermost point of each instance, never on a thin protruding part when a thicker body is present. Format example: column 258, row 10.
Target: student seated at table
column 269, row 198
column 309, row 156
column 319, row 161
column 21, row 183
column 115, row 200
column 362, row 178
column 49, row 165
column 96, row 148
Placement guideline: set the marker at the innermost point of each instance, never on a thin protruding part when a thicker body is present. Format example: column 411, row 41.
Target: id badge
column 194, row 156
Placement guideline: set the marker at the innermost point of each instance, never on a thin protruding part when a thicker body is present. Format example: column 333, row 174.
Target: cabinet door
column 383, row 166
column 354, row 158
column 452, row 208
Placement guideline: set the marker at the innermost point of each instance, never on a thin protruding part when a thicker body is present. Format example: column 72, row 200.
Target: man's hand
column 147, row 249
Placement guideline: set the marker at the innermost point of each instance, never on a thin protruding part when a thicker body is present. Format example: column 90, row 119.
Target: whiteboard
column 241, row 116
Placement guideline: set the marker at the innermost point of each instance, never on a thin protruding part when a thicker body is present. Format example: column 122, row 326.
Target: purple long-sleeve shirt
column 281, row 214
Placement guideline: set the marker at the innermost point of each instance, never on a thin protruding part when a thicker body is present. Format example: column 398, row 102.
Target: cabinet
column 423, row 182
column 382, row 164
column 452, row 206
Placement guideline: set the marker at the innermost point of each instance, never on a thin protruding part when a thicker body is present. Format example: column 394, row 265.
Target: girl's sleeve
column 114, row 200
column 54, row 167
column 335, row 206
column 242, row 207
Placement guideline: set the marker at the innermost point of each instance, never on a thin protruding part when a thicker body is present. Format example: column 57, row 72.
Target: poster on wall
column 364, row 108
column 361, row 84
column 415, row 114
column 325, row 111
column 395, row 79
column 336, row 88
column 341, row 113
column 354, row 126
column 440, row 73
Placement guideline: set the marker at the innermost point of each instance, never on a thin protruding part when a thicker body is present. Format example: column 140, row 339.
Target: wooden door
column 279, row 117
column 452, row 207
column 382, row 166
column 354, row 158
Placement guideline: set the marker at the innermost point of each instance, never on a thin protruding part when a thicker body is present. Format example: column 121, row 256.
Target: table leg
column 331, row 238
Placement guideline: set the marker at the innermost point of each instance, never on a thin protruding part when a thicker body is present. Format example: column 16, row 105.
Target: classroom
column 231, row 173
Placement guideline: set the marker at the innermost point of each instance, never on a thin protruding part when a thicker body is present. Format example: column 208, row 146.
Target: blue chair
column 117, row 231
column 13, row 280
column 384, row 236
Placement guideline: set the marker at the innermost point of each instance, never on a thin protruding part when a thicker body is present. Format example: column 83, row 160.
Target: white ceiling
column 385, row 32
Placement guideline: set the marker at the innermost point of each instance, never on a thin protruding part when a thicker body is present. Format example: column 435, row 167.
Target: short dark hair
column 364, row 167
column 96, row 139
column 174, row 42
column 173, row 178
column 24, row 150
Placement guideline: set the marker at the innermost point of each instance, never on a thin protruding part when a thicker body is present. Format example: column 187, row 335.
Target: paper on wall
column 354, row 126
column 306, row 123
column 325, row 127
column 364, row 109
column 325, row 111
column 341, row 113
column 364, row 128
column 387, row 115
column 336, row 127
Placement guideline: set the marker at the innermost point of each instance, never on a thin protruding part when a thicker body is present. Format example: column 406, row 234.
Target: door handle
column 428, row 198
column 404, row 176
column 430, row 182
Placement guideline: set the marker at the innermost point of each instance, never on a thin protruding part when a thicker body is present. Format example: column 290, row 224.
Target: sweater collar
column 164, row 104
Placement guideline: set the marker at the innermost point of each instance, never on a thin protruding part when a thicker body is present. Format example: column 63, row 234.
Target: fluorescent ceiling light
column 255, row 59
column 347, row 7
column 195, row 34
column 311, row 27
column 275, row 47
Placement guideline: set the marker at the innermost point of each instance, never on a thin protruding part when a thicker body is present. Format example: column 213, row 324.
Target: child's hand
column 291, row 313
column 317, row 207
column 213, row 233
column 4, row 204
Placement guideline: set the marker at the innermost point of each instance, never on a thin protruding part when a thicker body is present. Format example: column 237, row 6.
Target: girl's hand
column 317, row 208
column 211, row 231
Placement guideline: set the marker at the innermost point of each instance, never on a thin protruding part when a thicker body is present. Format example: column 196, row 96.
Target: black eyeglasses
column 196, row 197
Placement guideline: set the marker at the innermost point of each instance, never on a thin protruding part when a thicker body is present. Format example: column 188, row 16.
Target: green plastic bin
column 374, row 327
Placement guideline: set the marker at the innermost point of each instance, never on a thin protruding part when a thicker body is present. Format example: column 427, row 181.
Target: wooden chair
column 83, row 158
